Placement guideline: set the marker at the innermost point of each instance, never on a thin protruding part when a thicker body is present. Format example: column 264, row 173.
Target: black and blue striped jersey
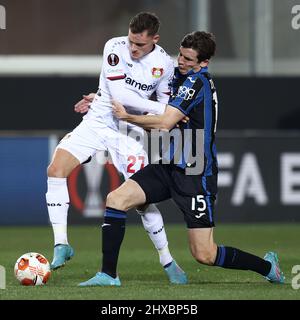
column 194, row 94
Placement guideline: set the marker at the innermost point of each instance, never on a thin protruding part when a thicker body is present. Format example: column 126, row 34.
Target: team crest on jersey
column 157, row 72
column 113, row 59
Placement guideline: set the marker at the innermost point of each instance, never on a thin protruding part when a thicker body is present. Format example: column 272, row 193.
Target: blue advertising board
column 259, row 181
column 23, row 180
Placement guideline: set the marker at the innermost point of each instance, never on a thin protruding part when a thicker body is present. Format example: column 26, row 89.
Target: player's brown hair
column 203, row 42
column 145, row 21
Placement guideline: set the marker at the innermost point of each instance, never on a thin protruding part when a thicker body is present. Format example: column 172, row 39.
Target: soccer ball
column 32, row 269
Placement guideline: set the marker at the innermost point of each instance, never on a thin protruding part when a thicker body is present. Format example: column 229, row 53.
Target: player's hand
column 184, row 120
column 84, row 104
column 119, row 110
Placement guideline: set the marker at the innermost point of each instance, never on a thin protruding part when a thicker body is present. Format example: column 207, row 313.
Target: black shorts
column 194, row 195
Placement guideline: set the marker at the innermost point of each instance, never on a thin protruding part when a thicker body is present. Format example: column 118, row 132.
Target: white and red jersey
column 130, row 82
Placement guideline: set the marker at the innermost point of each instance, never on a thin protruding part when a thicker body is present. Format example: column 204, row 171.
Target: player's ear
column 156, row 38
column 204, row 63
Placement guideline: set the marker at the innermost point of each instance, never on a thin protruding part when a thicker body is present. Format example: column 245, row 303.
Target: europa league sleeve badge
column 113, row 59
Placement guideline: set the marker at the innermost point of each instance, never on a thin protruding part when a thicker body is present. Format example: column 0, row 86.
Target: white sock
column 57, row 198
column 154, row 225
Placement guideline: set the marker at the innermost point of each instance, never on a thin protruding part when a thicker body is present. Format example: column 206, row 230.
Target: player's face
column 141, row 44
column 187, row 60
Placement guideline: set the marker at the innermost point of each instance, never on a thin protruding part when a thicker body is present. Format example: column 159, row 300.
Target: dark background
column 46, row 103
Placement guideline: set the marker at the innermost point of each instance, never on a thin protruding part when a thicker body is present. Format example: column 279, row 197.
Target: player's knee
column 117, row 200
column 56, row 171
column 111, row 199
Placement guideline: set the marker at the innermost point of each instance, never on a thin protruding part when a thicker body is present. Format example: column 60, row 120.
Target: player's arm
column 178, row 108
column 133, row 100
column 165, row 121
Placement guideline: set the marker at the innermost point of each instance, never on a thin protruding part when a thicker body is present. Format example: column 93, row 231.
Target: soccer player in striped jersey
column 189, row 174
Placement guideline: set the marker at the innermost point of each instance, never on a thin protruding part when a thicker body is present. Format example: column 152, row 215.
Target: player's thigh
column 62, row 164
column 82, row 142
column 198, row 215
column 154, row 181
column 127, row 196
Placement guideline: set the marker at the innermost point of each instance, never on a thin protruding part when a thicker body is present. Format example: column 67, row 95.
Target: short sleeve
column 189, row 93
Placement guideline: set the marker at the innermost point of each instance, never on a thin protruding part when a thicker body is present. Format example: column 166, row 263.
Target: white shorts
column 127, row 154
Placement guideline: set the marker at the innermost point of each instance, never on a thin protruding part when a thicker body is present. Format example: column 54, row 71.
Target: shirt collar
column 191, row 72
column 202, row 70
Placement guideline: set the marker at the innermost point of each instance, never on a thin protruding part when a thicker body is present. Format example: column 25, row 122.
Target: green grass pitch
column 141, row 275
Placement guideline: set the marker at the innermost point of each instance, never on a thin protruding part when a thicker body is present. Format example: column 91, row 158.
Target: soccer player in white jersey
column 134, row 67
